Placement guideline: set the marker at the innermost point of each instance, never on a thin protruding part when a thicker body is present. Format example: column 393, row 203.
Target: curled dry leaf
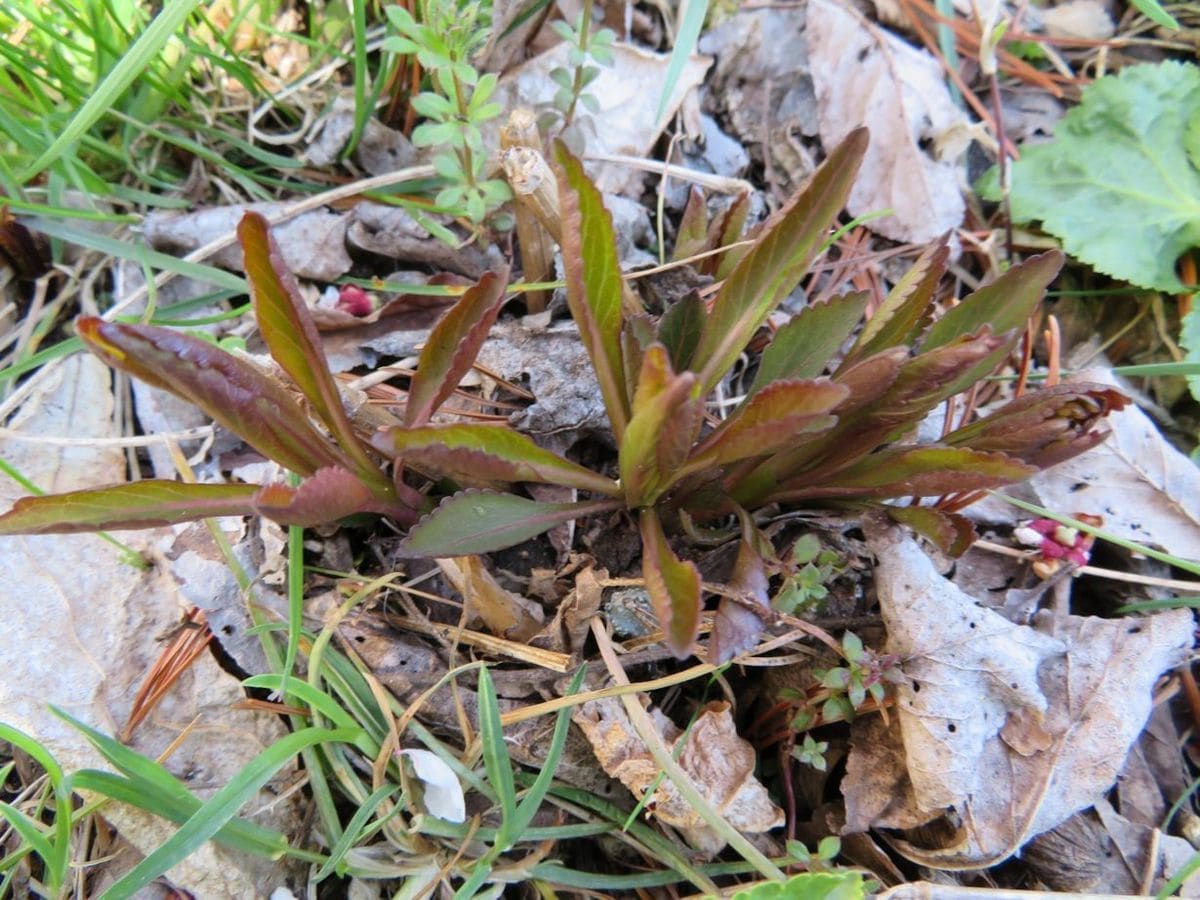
column 864, row 75
column 505, row 613
column 719, row 762
column 1013, row 728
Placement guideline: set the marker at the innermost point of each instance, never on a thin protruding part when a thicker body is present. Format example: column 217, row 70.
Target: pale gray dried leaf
column 392, row 232
column 313, row 244
column 864, row 75
column 627, row 91
column 1079, row 19
column 88, row 629
column 1123, row 870
column 1016, row 728
column 379, row 150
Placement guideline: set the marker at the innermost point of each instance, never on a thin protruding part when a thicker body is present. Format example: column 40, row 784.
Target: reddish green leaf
column 327, row 496
column 804, row 346
column 906, row 310
column 230, row 390
column 922, row 471
column 290, row 333
column 771, row 420
column 483, row 521
column 667, row 415
column 949, row 532
column 453, row 345
column 1044, row 427
column 593, row 275
column 778, row 260
column 489, row 452
column 673, row 585
column 139, row 504
column 692, row 236
column 725, row 230
column 1004, row 306
column 736, row 626
column 681, row 328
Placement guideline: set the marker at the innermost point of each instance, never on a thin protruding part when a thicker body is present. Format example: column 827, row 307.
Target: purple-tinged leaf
column 483, row 521
column 724, row 231
column 673, row 585
column 138, row 504
column 594, row 289
column 681, row 329
column 1044, row 427
column 453, row 345
column 922, row 471
column 488, row 452
column 951, row 533
column 291, row 335
column 771, row 420
column 778, row 260
column 234, row 392
column 804, row 346
column 667, row 415
column 908, row 307
column 327, row 496
column 1004, row 306
column 737, row 626
column 692, row 236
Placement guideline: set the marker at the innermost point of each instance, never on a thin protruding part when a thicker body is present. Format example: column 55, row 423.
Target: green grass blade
column 685, row 43
column 353, row 831
column 30, row 832
column 132, row 64
column 314, row 698
column 495, row 752
column 532, row 800
column 223, row 807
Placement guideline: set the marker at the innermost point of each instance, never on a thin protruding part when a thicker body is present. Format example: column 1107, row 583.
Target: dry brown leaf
column 1125, row 870
column 719, row 762
column 82, row 629
column 1013, row 728
column 506, row 614
column 863, row 75
column 569, row 628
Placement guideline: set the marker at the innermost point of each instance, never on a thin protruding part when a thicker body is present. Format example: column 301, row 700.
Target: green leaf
column 673, row 585
column 593, row 276
column 291, row 336
column 773, row 267
column 667, row 415
column 327, row 496
column 681, row 328
column 905, row 311
column 483, row 521
column 227, row 388
column 692, row 235
column 804, row 346
column 771, row 420
column 687, row 35
column 496, row 760
column 1116, row 185
column 809, row 886
column 139, row 504
column 924, row 471
column 727, row 229
column 488, row 452
column 453, row 345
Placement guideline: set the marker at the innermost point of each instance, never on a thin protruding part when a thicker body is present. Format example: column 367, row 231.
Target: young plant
column 588, row 51
column 817, row 426
column 314, row 438
column 443, row 41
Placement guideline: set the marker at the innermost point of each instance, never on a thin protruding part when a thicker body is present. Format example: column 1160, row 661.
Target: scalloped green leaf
column 453, row 345
column 1116, row 185
column 907, row 309
column 138, row 504
column 673, row 585
column 329, row 495
column 483, row 521
column 681, row 329
column 489, row 452
column 804, row 346
column 691, row 237
column 780, row 257
column 227, row 388
column 951, row 533
column 772, row 420
column 594, row 288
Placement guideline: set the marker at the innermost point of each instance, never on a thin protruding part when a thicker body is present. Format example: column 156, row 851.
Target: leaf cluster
column 302, row 425
column 588, row 50
column 819, row 423
column 458, row 100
